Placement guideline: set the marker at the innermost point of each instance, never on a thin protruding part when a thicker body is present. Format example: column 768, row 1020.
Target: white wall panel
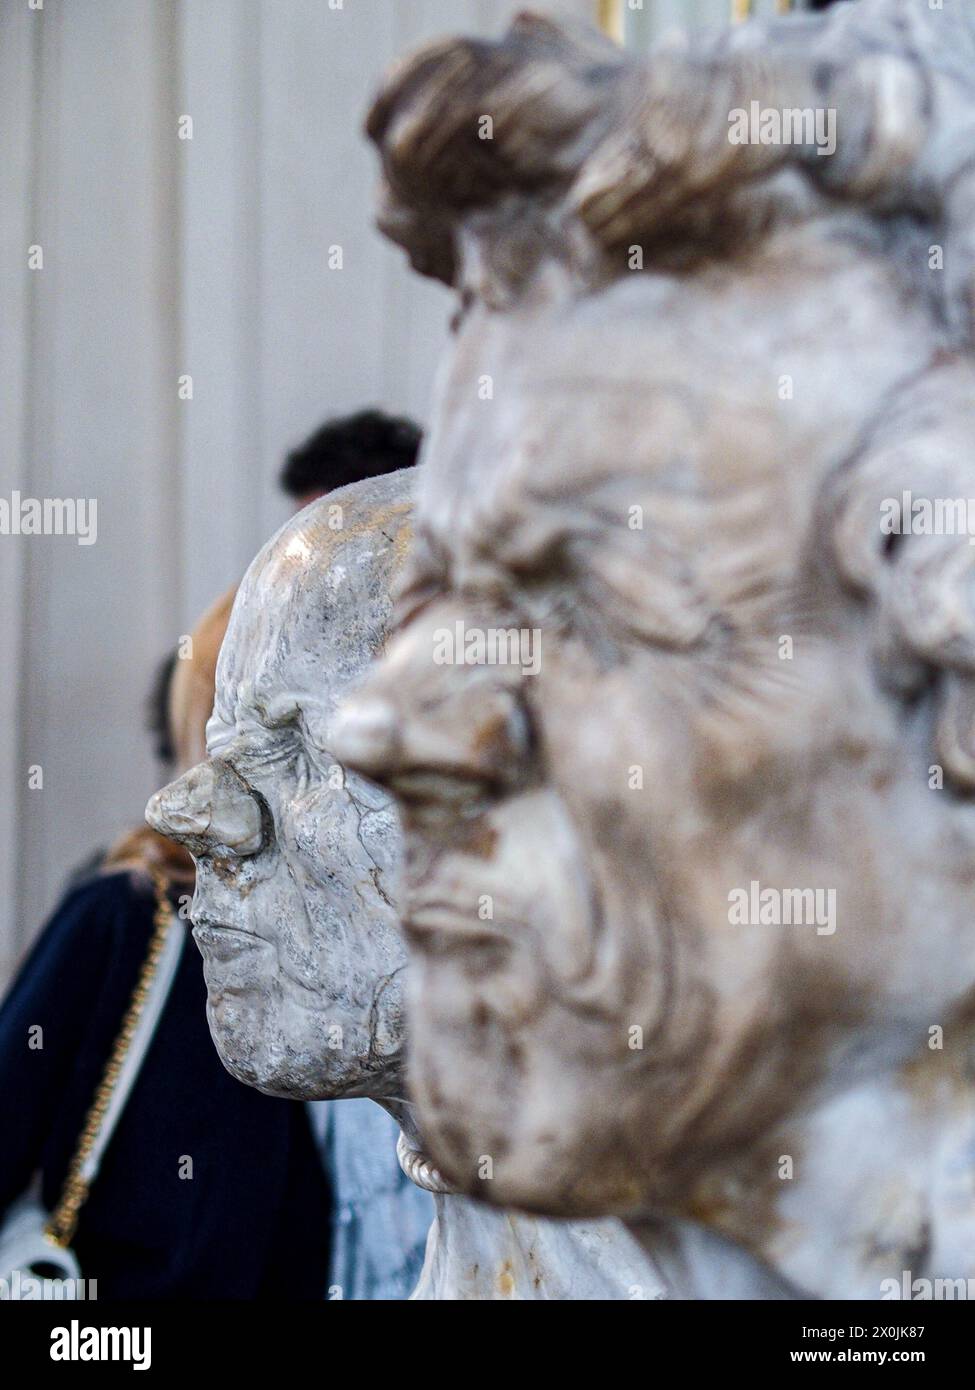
column 95, row 423
column 20, row 39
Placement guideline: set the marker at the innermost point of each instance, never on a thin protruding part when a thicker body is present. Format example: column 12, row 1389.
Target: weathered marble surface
column 294, row 909
column 676, row 477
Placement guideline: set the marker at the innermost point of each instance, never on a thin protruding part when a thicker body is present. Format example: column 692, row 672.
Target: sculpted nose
column 209, row 810
column 181, row 810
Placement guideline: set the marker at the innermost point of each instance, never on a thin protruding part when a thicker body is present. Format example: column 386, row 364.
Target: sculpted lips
column 225, row 943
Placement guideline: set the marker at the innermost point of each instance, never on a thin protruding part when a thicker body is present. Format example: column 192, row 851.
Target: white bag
column 34, row 1243
column 26, row 1246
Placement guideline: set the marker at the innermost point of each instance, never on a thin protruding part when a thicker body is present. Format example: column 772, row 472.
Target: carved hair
column 524, row 138
column 464, row 125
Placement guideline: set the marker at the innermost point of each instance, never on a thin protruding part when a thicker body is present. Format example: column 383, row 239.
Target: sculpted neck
column 868, row 1194
column 410, row 1142
column 479, row 1252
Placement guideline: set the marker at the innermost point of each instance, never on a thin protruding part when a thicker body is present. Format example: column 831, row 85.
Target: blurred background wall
column 164, row 258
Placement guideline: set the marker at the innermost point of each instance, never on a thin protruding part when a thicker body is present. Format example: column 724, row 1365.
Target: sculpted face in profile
column 301, row 945
column 686, row 901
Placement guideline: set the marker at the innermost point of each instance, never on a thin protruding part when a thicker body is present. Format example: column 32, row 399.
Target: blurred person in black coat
column 207, row 1189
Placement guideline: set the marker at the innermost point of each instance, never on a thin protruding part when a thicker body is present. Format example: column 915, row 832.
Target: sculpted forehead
column 661, row 387
column 313, row 607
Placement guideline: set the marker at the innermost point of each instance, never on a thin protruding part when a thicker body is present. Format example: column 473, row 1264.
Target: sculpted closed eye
column 649, row 595
column 253, row 760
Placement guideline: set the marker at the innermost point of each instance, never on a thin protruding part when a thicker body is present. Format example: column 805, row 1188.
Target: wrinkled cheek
column 471, row 1052
column 506, row 986
column 461, row 1064
column 381, row 839
column 311, row 831
column 320, row 859
column 327, row 843
column 493, row 984
column 344, row 942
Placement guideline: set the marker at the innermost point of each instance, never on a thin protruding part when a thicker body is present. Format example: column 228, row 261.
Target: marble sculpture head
column 302, row 949
column 711, row 862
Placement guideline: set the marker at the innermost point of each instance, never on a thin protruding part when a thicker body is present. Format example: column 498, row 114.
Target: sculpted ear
column 902, row 535
column 958, row 255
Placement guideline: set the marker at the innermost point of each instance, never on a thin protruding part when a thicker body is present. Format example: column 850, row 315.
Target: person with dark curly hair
column 347, row 449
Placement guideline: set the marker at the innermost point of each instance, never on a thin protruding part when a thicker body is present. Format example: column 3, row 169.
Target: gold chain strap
column 64, row 1218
